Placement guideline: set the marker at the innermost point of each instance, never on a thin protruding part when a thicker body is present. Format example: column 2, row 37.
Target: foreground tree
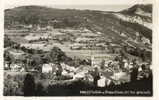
column 29, row 85
column 36, row 62
column 56, row 56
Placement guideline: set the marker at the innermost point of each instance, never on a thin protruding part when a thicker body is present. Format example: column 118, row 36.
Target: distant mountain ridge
column 146, row 8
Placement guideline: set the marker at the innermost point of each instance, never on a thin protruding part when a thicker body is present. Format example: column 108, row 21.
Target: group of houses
column 109, row 70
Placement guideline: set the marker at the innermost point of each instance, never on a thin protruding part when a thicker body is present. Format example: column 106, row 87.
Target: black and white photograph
column 55, row 49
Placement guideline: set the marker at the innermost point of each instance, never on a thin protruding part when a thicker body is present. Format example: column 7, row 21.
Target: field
column 46, row 41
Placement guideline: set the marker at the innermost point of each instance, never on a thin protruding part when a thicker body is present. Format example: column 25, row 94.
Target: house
column 22, row 69
column 88, row 77
column 67, row 67
column 15, row 67
column 79, row 75
column 49, row 27
column 101, row 82
column 123, row 34
column 6, row 65
column 96, row 60
column 67, row 73
column 99, row 33
column 89, row 35
column 84, row 39
column 120, row 77
column 86, row 30
column 48, row 68
column 76, row 46
column 145, row 40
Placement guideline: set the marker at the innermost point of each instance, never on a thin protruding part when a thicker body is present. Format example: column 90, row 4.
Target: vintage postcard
column 58, row 48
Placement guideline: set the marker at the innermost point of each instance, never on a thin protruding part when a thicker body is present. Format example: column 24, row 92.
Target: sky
column 104, row 5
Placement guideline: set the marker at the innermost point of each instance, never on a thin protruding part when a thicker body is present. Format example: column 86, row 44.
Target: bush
column 13, row 85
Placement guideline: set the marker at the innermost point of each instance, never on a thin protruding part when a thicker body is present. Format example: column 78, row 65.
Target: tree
column 40, row 90
column 8, row 42
column 36, row 61
column 143, row 55
column 9, row 58
column 24, row 61
column 57, row 55
column 134, row 71
column 45, row 58
column 29, row 85
column 59, row 71
column 96, row 76
column 102, row 64
column 66, row 21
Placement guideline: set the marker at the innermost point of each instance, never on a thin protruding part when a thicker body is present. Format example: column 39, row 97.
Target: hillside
column 119, row 27
column 144, row 8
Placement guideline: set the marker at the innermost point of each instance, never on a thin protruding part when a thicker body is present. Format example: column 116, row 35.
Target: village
column 103, row 63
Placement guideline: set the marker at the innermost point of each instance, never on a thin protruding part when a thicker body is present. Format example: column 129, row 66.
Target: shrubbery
column 13, row 85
